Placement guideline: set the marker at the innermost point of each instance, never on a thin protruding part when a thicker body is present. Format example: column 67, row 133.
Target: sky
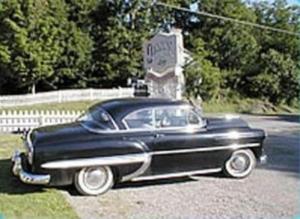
column 290, row 2
column 293, row 2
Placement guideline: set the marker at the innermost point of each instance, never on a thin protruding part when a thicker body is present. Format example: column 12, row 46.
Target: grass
column 75, row 105
column 251, row 106
column 18, row 200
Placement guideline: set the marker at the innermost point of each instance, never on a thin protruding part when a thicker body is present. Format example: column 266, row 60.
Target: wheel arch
column 257, row 151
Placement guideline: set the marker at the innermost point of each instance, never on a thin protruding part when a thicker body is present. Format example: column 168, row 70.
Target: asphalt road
column 272, row 191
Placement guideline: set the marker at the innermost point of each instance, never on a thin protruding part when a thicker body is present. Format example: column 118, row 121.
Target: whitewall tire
column 94, row 180
column 240, row 164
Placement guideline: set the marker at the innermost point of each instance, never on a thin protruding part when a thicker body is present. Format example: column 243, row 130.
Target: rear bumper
column 26, row 177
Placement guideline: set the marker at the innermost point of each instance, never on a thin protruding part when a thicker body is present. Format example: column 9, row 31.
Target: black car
column 137, row 139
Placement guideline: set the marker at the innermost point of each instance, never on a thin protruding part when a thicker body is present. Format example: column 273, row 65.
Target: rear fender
column 125, row 165
column 130, row 171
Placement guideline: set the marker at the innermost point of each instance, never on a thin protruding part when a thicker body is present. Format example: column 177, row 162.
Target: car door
column 140, row 127
column 180, row 142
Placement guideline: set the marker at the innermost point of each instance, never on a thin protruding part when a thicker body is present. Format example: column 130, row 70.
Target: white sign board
column 163, row 51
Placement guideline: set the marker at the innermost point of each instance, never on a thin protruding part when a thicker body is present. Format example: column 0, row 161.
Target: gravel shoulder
column 272, row 190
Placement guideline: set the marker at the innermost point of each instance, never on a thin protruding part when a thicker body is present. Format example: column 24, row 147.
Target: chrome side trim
column 179, row 174
column 232, row 135
column 97, row 161
column 187, row 129
column 139, row 171
column 202, row 149
column 26, row 177
column 144, row 158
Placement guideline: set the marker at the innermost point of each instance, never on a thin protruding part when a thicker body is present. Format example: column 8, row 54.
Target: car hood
column 225, row 123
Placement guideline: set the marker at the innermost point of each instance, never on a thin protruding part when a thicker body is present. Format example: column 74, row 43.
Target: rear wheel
column 94, row 180
column 240, row 164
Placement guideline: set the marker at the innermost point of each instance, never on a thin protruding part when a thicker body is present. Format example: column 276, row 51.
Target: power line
column 228, row 19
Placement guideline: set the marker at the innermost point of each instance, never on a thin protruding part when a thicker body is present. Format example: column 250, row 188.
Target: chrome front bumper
column 24, row 176
column 263, row 159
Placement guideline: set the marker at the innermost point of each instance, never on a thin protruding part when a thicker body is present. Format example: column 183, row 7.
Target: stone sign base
column 170, row 85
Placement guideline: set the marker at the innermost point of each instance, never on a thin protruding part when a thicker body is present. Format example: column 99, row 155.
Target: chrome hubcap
column 95, row 178
column 240, row 163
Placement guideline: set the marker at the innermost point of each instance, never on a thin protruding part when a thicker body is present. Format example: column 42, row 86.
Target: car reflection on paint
column 137, row 139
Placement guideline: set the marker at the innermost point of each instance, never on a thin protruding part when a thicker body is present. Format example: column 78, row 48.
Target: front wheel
column 94, row 180
column 240, row 164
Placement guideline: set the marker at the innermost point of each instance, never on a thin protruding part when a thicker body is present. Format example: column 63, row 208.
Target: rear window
column 98, row 118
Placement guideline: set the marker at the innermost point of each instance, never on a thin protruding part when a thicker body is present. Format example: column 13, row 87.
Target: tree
column 120, row 30
column 233, row 48
column 40, row 43
column 202, row 78
column 75, row 43
column 276, row 75
column 277, row 81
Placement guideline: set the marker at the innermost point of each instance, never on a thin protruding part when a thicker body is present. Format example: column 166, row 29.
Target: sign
column 164, row 58
column 162, row 52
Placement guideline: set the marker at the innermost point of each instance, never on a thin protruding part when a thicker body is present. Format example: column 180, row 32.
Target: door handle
column 159, row 135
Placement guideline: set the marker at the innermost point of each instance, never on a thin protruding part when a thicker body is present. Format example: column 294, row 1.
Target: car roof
column 118, row 108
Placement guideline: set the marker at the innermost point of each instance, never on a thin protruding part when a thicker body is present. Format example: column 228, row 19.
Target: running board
column 174, row 175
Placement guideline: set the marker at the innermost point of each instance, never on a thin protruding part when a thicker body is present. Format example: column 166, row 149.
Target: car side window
column 142, row 119
column 170, row 117
column 175, row 117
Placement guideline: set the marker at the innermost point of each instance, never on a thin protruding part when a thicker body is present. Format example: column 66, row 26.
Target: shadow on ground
column 143, row 184
column 10, row 184
column 283, row 150
column 160, row 182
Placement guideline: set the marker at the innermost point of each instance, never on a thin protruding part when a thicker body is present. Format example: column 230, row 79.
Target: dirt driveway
column 272, row 191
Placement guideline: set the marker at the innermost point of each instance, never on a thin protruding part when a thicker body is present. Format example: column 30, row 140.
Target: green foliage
column 72, row 105
column 202, row 78
column 18, row 200
column 277, row 79
column 233, row 47
column 41, row 44
column 122, row 28
column 89, row 43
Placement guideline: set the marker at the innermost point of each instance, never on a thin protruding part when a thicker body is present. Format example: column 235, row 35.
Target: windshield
column 97, row 118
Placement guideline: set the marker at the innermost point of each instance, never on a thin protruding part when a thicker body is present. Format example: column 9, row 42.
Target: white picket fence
column 19, row 121
column 65, row 96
